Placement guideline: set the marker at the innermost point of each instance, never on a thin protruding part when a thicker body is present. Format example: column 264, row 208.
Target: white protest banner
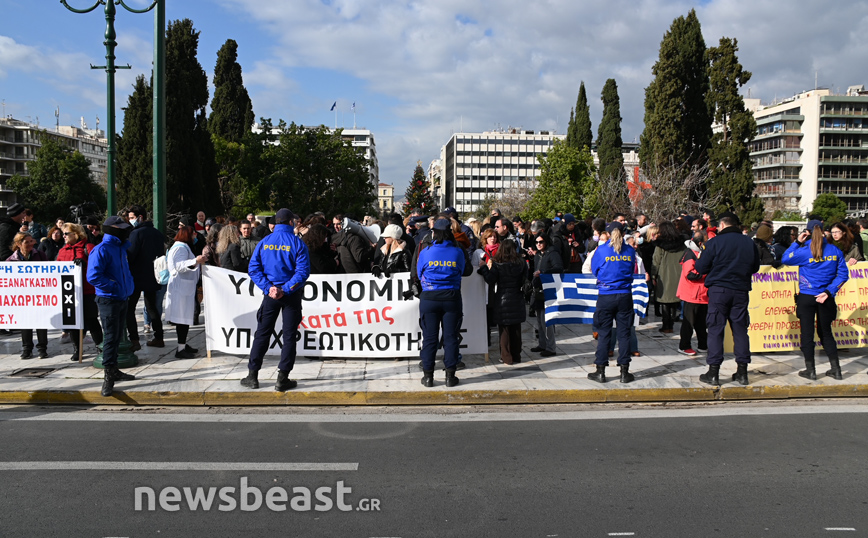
column 40, row 295
column 355, row 315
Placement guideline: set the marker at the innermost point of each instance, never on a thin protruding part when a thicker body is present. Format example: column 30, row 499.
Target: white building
column 363, row 140
column 19, row 141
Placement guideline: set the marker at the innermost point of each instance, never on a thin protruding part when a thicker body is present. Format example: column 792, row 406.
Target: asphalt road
column 723, row 471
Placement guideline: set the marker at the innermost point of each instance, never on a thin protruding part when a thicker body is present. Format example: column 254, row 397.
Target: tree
column 191, row 175
column 231, row 109
column 677, row 115
column 579, row 129
column 731, row 171
column 418, row 194
column 611, row 172
column 313, row 169
column 135, row 148
column 662, row 195
column 566, row 183
column 829, row 208
column 59, row 178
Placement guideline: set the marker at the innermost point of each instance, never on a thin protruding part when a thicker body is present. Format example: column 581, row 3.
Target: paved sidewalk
column 661, row 375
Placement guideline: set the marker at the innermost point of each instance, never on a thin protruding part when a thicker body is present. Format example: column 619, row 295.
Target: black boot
column 740, row 375
column 626, row 376
column 284, row 383
column 600, row 375
column 712, row 376
column 835, row 372
column 74, row 357
column 108, row 383
column 810, row 371
column 252, row 379
column 451, row 380
column 428, row 378
column 117, row 375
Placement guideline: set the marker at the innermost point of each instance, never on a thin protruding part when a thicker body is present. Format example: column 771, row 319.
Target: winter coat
column 323, row 261
column 666, row 268
column 354, row 252
column 691, row 287
column 852, row 254
column 146, row 245
column 816, row 277
column 181, row 290
column 248, row 245
column 8, row 229
column 507, row 279
column 108, row 269
column 37, row 231
column 79, row 251
column 50, row 248
column 546, row 262
column 35, row 256
column 396, row 261
column 231, row 259
column 729, row 260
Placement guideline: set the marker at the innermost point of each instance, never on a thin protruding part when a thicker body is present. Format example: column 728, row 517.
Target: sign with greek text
column 356, row 315
column 40, row 295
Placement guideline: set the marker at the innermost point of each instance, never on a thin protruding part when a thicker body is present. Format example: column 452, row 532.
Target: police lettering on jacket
column 614, row 270
column 828, row 274
column 440, row 267
column 280, row 260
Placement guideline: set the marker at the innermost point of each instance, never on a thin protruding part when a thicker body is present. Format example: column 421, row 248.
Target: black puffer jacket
column 397, row 261
column 354, row 252
column 323, row 260
column 507, row 279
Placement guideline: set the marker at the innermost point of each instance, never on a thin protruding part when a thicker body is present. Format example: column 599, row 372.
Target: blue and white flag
column 572, row 298
column 354, row 106
column 333, row 106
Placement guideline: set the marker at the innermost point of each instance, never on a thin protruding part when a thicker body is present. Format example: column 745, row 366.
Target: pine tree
column 135, row 148
column 677, row 116
column 731, row 178
column 579, row 130
column 418, row 194
column 231, row 109
column 191, row 182
column 609, row 135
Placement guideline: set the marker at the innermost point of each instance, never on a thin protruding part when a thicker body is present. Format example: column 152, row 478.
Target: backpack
column 161, row 269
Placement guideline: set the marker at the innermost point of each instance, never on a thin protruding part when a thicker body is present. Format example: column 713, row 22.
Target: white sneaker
column 147, row 329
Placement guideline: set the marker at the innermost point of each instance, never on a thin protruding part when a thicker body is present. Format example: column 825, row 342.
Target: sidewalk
column 661, row 375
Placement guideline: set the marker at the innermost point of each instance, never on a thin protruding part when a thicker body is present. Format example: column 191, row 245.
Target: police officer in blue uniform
column 440, row 267
column 822, row 272
column 613, row 265
column 279, row 267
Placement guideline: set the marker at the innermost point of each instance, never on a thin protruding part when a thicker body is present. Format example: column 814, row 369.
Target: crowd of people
column 698, row 269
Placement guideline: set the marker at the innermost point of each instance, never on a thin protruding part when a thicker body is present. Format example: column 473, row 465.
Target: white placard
column 40, row 295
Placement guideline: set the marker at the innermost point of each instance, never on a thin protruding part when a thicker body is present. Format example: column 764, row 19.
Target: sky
column 419, row 71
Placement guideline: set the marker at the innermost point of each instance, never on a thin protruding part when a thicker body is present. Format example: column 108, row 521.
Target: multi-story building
column 363, row 140
column 385, row 198
column 19, row 141
column 809, row 144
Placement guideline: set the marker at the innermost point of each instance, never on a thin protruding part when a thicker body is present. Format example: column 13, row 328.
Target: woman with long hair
column 506, row 273
column 323, row 260
column 843, row 238
column 24, row 250
column 77, row 250
column 782, row 239
column 440, row 267
column 613, row 265
column 666, row 273
column 181, row 289
column 822, row 272
column 51, row 244
column 546, row 261
column 393, row 256
column 229, row 249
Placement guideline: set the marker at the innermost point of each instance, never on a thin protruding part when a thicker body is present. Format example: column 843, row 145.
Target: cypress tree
column 609, row 135
column 231, row 109
column 731, row 173
column 579, row 133
column 135, row 148
column 677, row 116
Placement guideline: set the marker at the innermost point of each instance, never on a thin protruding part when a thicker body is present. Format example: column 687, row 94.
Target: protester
column 23, row 246
column 109, row 272
column 440, row 267
column 229, row 249
column 279, row 267
column 51, row 244
column 506, row 273
column 35, row 229
column 9, row 227
column 146, row 245
column 212, row 235
column 546, row 261
column 729, row 261
column 201, row 224
column 354, row 251
column 783, row 238
column 323, row 259
column 77, row 250
column 666, row 272
column 762, row 240
column 843, row 239
column 692, row 290
column 393, row 256
column 181, row 296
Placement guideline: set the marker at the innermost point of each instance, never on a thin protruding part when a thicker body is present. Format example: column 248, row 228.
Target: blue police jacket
column 815, row 277
column 108, row 269
column 281, row 259
column 614, row 270
column 440, row 267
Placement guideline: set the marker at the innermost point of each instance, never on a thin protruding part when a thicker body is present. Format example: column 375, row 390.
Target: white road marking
column 171, row 466
column 840, row 529
column 508, row 416
column 622, row 534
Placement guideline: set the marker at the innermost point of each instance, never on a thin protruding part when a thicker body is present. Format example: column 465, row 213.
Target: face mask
column 601, row 242
column 134, row 222
column 596, row 238
column 640, row 240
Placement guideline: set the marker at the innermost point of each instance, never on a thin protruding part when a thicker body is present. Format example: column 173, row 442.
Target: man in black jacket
column 729, row 260
column 9, row 226
column 146, row 245
column 354, row 252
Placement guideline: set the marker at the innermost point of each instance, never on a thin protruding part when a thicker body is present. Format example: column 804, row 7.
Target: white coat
column 181, row 290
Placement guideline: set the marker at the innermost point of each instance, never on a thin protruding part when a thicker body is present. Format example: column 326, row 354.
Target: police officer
column 613, row 264
column 440, row 267
column 279, row 267
column 822, row 272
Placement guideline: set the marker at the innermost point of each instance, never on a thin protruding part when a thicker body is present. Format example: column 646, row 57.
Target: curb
column 433, row 397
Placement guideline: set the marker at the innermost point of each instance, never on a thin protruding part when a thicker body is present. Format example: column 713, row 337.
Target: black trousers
column 694, row 319
column 670, row 312
column 809, row 312
column 290, row 307
column 27, row 339
column 91, row 322
column 151, row 306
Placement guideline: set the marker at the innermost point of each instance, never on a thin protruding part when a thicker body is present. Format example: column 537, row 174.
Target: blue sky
column 419, row 70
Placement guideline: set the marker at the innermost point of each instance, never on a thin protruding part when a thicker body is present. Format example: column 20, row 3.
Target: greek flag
column 572, row 298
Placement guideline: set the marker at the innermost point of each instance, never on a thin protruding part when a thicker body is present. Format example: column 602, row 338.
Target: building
column 19, row 141
column 363, row 140
column 809, row 144
column 385, row 198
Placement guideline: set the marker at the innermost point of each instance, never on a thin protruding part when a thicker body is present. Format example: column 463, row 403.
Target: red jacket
column 691, row 286
column 71, row 253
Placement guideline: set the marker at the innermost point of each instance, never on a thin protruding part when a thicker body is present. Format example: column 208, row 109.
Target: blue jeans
column 432, row 316
column 113, row 315
column 616, row 307
column 159, row 303
column 266, row 317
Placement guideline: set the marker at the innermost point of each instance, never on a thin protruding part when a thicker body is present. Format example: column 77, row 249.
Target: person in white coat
column 183, row 268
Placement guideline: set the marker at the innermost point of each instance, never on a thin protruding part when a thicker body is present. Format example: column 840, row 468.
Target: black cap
column 614, row 225
column 450, row 210
column 14, row 210
column 731, row 215
column 117, row 222
column 442, row 224
column 284, row 216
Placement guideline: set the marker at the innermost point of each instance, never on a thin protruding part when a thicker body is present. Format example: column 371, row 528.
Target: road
column 728, row 470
